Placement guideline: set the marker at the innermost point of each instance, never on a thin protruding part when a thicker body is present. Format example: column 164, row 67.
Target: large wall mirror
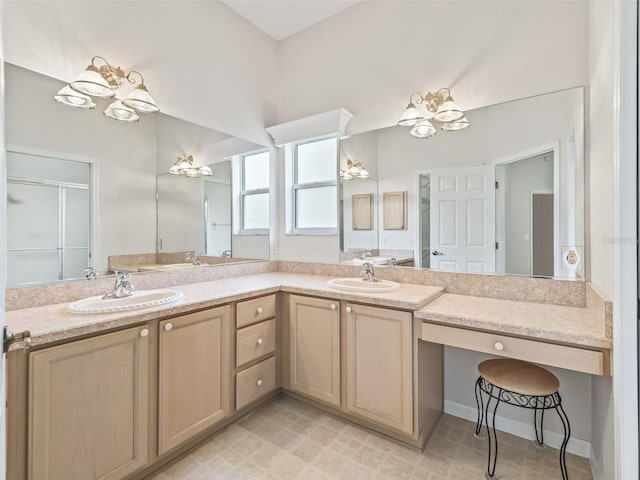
column 83, row 187
column 505, row 195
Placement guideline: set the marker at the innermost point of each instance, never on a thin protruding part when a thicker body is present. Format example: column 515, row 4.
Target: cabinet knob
column 260, row 310
column 499, row 346
column 348, row 309
column 259, row 382
column 144, row 332
column 333, row 306
column 259, row 341
column 168, row 326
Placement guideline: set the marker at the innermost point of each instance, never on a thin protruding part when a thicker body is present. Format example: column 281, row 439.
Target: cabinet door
column 88, row 408
column 314, row 346
column 194, row 374
column 379, row 365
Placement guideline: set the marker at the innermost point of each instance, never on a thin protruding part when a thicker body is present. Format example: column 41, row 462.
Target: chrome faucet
column 91, row 273
column 226, row 253
column 123, row 287
column 364, row 253
column 367, row 273
column 192, row 257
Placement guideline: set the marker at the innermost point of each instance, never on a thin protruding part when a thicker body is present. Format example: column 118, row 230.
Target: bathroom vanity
column 118, row 395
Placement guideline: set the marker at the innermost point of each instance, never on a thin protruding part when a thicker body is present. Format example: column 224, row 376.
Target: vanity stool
column 521, row 384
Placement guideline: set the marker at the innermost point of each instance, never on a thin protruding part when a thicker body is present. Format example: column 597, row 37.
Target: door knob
column 144, row 332
column 259, row 341
column 168, row 326
column 260, row 310
column 499, row 346
column 333, row 306
column 435, row 252
column 259, row 382
column 348, row 309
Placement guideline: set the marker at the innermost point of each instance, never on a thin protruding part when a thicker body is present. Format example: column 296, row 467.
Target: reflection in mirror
column 125, row 160
column 505, row 195
column 194, row 213
column 48, row 218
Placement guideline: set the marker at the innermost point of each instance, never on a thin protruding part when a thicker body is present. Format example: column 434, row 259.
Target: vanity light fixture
column 184, row 166
column 354, row 170
column 445, row 111
column 103, row 81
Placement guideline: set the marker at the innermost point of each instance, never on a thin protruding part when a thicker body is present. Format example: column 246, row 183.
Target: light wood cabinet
column 379, row 365
column 194, row 374
column 394, row 210
column 88, row 408
column 362, row 211
column 314, row 348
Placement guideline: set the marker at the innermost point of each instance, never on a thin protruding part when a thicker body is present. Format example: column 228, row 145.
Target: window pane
column 316, row 207
column 256, row 171
column 256, row 211
column 317, row 161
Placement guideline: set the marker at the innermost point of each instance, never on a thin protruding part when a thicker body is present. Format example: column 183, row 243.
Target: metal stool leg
column 480, row 405
column 538, row 421
column 563, row 448
column 491, row 434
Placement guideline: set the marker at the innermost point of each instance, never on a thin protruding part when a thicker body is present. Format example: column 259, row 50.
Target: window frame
column 296, row 186
column 255, row 191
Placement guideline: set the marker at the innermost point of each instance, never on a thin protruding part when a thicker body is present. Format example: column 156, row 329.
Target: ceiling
column 282, row 18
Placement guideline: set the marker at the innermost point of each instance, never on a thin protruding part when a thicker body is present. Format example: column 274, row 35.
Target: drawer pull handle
column 144, row 332
column 333, row 306
column 259, row 382
column 168, row 326
column 260, row 310
column 348, row 309
column 499, row 346
column 259, row 341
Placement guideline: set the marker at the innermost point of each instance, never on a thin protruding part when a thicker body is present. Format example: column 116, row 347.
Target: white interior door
column 463, row 219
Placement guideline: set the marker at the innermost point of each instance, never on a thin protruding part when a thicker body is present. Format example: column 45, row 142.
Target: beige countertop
column 51, row 323
column 573, row 325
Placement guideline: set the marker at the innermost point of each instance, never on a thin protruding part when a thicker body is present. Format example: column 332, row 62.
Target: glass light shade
column 364, row 174
column 206, row 171
column 424, row 129
column 410, row 117
column 175, row 170
column 68, row 96
column 456, row 125
column 140, row 100
column 192, row 173
column 118, row 111
column 92, row 83
column 345, row 175
column 448, row 111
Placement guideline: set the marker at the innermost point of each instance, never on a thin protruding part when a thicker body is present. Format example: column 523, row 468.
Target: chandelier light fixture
column 445, row 111
column 184, row 166
column 354, row 170
column 103, row 81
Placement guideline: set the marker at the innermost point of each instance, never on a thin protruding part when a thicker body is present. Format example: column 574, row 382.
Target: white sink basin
column 359, row 285
column 374, row 260
column 139, row 299
column 168, row 266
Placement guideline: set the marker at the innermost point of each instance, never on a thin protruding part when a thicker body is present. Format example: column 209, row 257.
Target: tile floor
column 286, row 439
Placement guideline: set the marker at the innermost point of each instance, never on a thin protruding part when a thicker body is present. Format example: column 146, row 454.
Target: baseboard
column 521, row 429
column 596, row 471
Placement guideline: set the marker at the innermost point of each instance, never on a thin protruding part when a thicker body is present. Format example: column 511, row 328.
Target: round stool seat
column 519, row 377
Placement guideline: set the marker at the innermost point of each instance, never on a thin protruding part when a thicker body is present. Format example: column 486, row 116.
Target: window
column 254, row 195
column 315, row 186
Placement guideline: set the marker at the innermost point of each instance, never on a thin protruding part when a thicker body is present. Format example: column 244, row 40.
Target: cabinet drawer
column 572, row 358
column 256, row 310
column 255, row 382
column 255, row 341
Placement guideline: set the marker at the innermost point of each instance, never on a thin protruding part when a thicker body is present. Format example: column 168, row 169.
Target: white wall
column 600, row 147
column 124, row 154
column 201, row 61
column 370, row 58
